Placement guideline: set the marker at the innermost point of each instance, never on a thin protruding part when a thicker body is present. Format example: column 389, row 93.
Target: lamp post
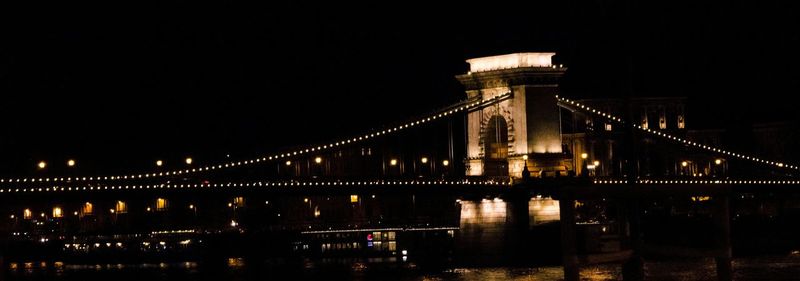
column 596, row 167
column 684, row 168
column 584, row 165
column 423, row 167
column 446, row 165
column 318, row 165
column 194, row 209
column 526, row 174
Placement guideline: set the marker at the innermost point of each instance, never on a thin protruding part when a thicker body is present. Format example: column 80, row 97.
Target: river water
column 759, row 268
column 483, row 250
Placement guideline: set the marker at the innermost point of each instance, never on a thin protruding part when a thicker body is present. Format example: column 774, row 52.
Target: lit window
column 27, row 214
column 354, row 198
column 608, row 127
column 57, row 212
column 161, row 204
column 88, row 208
column 121, row 207
column 238, row 201
column 680, row 122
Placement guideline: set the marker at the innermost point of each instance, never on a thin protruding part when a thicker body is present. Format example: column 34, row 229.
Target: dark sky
column 121, row 86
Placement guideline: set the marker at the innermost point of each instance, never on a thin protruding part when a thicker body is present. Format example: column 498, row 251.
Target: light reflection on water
column 761, row 268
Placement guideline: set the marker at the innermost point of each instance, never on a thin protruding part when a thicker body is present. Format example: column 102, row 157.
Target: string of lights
column 676, row 139
column 729, row 182
column 253, row 185
column 378, row 229
column 447, row 111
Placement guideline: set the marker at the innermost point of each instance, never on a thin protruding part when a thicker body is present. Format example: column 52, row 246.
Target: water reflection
column 761, row 268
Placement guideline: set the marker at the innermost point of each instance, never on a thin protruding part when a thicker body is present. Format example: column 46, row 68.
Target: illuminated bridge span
column 260, row 185
column 574, row 105
column 726, row 182
column 520, row 148
column 443, row 113
column 513, row 125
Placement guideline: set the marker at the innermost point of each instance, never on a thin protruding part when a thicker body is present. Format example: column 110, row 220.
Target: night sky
column 121, row 86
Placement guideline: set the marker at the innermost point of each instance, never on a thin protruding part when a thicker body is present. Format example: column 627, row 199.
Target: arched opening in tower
column 496, row 147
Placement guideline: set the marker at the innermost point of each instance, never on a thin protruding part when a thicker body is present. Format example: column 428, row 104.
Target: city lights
column 458, row 107
column 674, row 138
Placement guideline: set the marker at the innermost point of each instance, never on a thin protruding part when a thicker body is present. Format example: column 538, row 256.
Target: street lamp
column 446, row 163
column 526, row 174
column 159, row 163
column 188, row 160
column 318, row 160
column 584, row 165
column 393, row 162
column 424, row 160
column 42, row 165
column 70, row 163
column 684, row 168
column 596, row 167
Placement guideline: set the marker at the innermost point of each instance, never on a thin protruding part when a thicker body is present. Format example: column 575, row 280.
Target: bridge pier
column 723, row 228
column 569, row 252
column 629, row 214
column 633, row 267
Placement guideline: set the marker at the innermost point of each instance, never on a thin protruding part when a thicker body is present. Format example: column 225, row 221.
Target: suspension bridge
column 516, row 148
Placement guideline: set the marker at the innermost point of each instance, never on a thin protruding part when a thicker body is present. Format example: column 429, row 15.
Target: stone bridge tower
column 500, row 137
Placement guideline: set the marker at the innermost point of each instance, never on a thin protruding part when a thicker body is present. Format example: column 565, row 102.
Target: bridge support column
column 569, row 251
column 633, row 268
column 723, row 227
